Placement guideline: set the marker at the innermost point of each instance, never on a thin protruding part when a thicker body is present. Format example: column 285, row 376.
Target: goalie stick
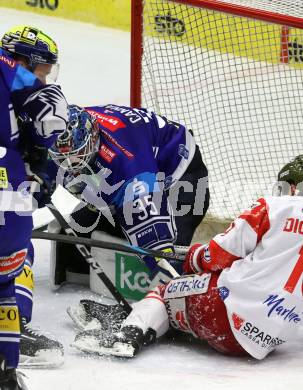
column 41, row 228
column 86, row 255
column 81, row 244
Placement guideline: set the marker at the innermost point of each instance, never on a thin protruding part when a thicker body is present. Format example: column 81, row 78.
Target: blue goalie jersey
column 141, row 155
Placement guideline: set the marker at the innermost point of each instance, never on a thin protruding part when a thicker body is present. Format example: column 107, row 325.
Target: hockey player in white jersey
column 241, row 292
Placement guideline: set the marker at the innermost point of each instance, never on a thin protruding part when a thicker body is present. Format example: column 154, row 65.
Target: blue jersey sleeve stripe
column 23, row 78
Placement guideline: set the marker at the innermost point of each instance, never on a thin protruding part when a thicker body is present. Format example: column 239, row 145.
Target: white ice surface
column 95, row 70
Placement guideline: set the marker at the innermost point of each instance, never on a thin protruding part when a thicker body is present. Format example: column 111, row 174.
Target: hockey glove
column 40, row 186
column 195, row 257
column 32, row 153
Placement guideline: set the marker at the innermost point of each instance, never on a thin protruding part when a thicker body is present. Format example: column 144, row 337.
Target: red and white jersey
column 261, row 255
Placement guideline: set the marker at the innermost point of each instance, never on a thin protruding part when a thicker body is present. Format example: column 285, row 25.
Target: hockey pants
column 202, row 315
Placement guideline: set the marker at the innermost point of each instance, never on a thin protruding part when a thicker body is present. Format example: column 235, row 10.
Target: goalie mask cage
column 232, row 72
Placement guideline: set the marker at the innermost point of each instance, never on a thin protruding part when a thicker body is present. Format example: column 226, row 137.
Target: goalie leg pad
column 66, row 262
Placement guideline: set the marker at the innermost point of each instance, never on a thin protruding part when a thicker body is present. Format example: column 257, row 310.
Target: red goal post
column 231, row 70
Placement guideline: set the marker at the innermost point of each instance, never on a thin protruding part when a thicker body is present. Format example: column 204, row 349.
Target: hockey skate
column 89, row 314
column 37, row 350
column 125, row 343
column 10, row 378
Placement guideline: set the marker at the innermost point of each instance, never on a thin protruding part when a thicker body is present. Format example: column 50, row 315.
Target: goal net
column 231, row 71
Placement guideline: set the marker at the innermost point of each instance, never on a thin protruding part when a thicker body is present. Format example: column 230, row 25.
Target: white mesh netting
column 236, row 82
column 286, row 7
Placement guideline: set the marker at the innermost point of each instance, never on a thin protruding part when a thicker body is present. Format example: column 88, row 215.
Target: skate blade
column 118, row 349
column 42, row 359
column 77, row 314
